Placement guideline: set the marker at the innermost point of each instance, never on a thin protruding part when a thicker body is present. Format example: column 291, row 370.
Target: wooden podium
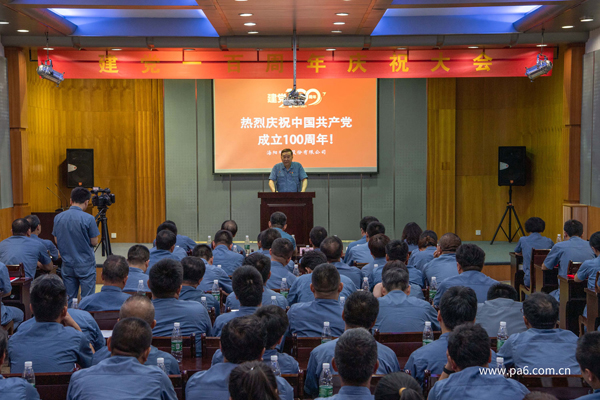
column 298, row 208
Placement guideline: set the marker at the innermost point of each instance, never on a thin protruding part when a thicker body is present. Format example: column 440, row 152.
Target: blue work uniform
column 22, row 249
column 362, row 240
column 8, row 313
column 367, row 270
column 414, row 275
column 267, row 252
column 588, row 271
column 17, row 389
column 411, row 247
column 227, row 259
column 575, row 249
column 51, row 247
column 279, row 271
column 592, row 396
column 51, row 347
column 288, row 180
column 74, row 229
column 135, row 276
column 121, row 377
column 225, row 318
column 185, row 242
column 215, row 273
column 471, row 384
column 418, row 259
column 156, row 255
column 388, row 363
column 213, row 384
column 300, row 291
column 110, row 298
column 306, row 319
column 280, row 300
column 179, row 252
column 359, row 254
column 401, row 313
column 192, row 316
column 189, row 293
column 525, row 246
column 541, row 348
column 351, row 272
column 478, row 281
column 442, row 268
column 352, row 393
column 171, row 364
column 287, row 363
column 285, row 235
column 491, row 312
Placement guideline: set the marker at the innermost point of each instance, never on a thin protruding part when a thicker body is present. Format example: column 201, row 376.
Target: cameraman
column 76, row 234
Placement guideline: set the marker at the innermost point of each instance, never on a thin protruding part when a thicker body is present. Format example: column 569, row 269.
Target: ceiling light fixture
column 342, row 14
column 252, row 32
column 22, row 30
column 586, row 19
column 189, row 49
column 329, row 49
column 4, row 22
column 246, row 14
column 336, row 31
column 542, row 45
column 116, row 49
column 567, row 27
column 48, row 48
column 473, row 47
column 401, row 48
column 339, row 23
column 250, row 24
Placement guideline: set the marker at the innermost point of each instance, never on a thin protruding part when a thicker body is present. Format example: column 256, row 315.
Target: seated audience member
column 306, row 319
column 502, row 304
column 332, row 247
column 193, row 274
column 377, row 245
column 178, row 251
column 242, row 340
column 276, row 324
column 54, row 342
column 316, row 236
column 588, row 354
column 589, row 268
column 364, row 222
column 278, row 221
column 248, row 287
column 397, row 250
column 411, row 234
column 300, row 291
column 281, row 253
column 14, row 388
column 263, row 264
column 20, row 248
column 138, row 306
column 534, row 226
column 542, row 345
column 123, row 375
column 457, row 306
column 398, row 312
column 398, row 386
column 165, row 281
column 427, row 247
column 165, row 245
column 444, row 265
column 9, row 313
column 572, row 248
column 231, row 226
column 266, row 239
column 469, row 259
column 183, row 241
column 360, row 311
column 361, row 252
column 138, row 258
column 223, row 255
column 36, row 230
column 213, row 272
column 468, row 354
column 253, row 380
column 110, row 298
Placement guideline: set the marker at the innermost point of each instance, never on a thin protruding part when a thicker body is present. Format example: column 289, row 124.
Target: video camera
column 102, row 198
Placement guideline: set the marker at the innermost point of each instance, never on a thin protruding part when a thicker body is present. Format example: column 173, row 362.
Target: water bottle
column 326, row 336
column 209, row 242
column 500, row 363
column 558, row 239
column 140, row 288
column 342, row 301
column 433, row 287
column 28, row 374
column 204, row 302
column 216, row 291
column 365, row 284
column 427, row 333
column 502, row 335
column 296, row 271
column 375, row 266
column 160, row 362
column 177, row 342
column 274, row 300
column 275, row 366
column 247, row 245
column 219, row 266
column 326, row 382
column 285, row 289
column 74, row 303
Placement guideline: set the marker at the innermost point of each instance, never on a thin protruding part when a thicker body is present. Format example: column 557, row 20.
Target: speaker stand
column 103, row 228
column 510, row 210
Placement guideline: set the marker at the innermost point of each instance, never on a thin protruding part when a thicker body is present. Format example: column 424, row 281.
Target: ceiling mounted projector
column 47, row 72
column 541, row 67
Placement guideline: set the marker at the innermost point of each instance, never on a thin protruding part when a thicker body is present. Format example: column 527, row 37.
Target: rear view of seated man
column 468, row 354
column 398, row 312
column 278, row 221
column 223, row 255
column 363, row 254
column 14, row 388
column 534, row 226
column 316, row 236
column 36, row 230
column 427, row 247
column 281, row 254
column 231, row 226
column 8, row 313
column 193, row 272
column 54, row 343
column 469, row 259
column 364, row 222
column 178, row 251
column 501, row 305
column 20, row 248
column 588, row 354
column 114, row 275
column 332, row 248
column 242, row 340
column 183, row 241
column 542, row 345
column 165, row 245
column 397, row 250
column 165, row 282
column 213, row 272
column 123, row 375
column 444, row 265
column 138, row 258
column 589, row 268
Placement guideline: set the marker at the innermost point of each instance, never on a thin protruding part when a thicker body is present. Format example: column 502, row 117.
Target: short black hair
column 230, row 225
column 138, row 254
column 541, row 310
column 247, row 285
column 3, row 342
column 114, row 269
column 48, row 298
column 427, row 238
column 449, row 242
column 278, row 219
column 193, row 269
column 535, row 224
column 80, row 195
column 132, row 336
column 243, row 339
column 286, row 151
column 165, row 278
column 573, row 228
column 311, row 259
column 203, row 251
column 317, row 235
column 458, row 305
column 332, row 247
column 165, row 239
column 395, row 277
column 375, row 228
column 325, row 279
column 397, row 250
column 356, row 356
column 595, row 241
column 276, row 322
column 267, row 237
column 168, row 226
column 360, row 310
column 282, row 248
column 588, row 352
column 223, row 237
column 34, row 221
column 365, row 221
column 20, row 226
column 377, row 244
column 261, row 262
column 411, row 233
column 502, row 291
column 470, row 257
column 398, row 386
column 253, row 380
column 469, row 346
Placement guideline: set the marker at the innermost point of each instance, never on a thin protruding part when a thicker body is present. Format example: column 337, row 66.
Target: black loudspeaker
column 512, row 165
column 80, row 168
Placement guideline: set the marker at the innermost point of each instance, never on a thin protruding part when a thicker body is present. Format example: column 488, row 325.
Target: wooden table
column 593, row 304
column 546, row 280
column 572, row 303
column 19, row 296
column 517, row 274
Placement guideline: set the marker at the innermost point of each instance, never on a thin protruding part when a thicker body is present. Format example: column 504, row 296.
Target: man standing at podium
column 288, row 176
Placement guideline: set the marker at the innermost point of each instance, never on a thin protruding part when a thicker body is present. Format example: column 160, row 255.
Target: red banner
column 177, row 64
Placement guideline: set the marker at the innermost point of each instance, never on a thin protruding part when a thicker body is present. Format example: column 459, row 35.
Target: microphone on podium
column 63, row 195
column 61, row 209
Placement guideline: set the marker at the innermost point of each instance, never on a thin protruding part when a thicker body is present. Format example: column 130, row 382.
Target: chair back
column 178, row 385
column 16, row 270
column 164, row 343
column 209, row 346
column 106, row 320
column 428, row 382
column 213, row 315
column 537, row 258
column 301, row 348
column 296, row 381
column 147, row 294
column 50, row 386
column 360, row 265
column 562, row 386
column 573, row 267
column 403, row 344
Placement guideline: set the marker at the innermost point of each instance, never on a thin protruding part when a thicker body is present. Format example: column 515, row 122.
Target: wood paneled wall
column 6, row 219
column 122, row 120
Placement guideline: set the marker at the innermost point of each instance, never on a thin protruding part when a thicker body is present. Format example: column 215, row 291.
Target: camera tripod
column 510, row 210
column 105, row 236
